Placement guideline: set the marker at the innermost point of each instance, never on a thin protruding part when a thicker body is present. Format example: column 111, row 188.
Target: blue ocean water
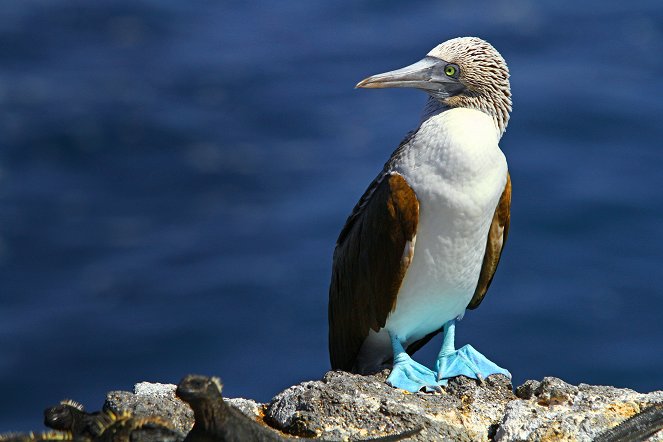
column 173, row 176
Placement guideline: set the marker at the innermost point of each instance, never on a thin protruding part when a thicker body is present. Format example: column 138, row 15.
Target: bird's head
column 461, row 72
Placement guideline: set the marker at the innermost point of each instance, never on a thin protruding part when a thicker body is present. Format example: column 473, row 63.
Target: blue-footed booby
column 422, row 244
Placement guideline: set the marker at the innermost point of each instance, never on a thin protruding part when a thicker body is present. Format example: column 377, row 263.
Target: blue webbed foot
column 466, row 361
column 410, row 375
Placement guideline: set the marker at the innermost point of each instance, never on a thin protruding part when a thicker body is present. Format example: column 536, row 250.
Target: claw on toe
column 435, row 388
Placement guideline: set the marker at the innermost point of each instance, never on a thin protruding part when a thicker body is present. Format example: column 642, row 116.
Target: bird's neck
column 434, row 107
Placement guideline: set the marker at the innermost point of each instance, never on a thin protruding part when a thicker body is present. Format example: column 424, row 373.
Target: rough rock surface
column 343, row 406
column 152, row 399
column 247, row 406
column 552, row 410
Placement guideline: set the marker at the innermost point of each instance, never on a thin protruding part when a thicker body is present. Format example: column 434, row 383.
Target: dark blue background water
column 173, row 176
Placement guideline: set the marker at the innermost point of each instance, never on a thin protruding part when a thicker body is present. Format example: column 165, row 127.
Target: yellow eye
column 450, row 70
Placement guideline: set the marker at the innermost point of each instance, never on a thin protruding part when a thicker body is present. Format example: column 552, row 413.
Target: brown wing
column 370, row 262
column 499, row 230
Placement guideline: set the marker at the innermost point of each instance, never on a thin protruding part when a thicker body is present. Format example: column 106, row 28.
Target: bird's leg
column 465, row 361
column 408, row 374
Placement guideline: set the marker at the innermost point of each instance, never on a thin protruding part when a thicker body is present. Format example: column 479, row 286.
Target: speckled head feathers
column 484, row 73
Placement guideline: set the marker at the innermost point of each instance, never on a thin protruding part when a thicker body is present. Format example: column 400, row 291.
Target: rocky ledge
column 343, row 406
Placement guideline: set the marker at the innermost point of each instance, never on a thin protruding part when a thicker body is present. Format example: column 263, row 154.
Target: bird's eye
column 450, row 70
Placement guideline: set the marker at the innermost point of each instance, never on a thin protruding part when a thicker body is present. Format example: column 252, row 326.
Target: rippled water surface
column 173, row 176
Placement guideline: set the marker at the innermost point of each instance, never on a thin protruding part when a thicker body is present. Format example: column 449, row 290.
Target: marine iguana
column 216, row 421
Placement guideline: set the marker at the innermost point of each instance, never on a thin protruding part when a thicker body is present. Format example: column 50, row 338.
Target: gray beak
column 426, row 74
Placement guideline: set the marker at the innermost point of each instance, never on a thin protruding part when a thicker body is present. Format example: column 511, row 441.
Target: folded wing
column 372, row 255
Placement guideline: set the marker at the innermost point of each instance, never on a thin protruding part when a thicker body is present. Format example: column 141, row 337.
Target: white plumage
column 458, row 172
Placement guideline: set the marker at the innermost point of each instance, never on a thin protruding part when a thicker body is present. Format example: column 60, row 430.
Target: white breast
column 458, row 172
